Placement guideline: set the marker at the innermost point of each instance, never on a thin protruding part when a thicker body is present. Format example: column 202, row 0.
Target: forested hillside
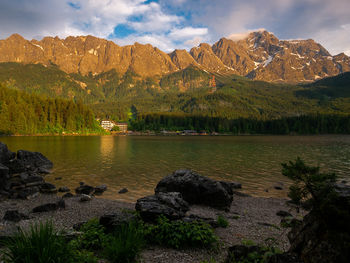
column 23, row 113
column 183, row 93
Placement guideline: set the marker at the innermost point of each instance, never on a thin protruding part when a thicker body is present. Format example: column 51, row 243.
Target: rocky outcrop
column 19, row 173
column 197, row 189
column 325, row 237
column 170, row 205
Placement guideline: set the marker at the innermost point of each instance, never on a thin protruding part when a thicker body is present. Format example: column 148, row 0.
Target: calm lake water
column 138, row 163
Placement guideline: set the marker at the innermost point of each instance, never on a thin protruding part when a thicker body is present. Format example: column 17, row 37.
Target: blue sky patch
column 122, row 31
column 150, row 1
column 74, row 5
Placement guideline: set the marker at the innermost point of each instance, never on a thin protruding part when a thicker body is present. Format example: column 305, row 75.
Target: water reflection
column 138, row 163
column 107, row 146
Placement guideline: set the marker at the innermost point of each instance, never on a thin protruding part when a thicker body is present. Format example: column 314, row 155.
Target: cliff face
column 87, row 54
column 260, row 56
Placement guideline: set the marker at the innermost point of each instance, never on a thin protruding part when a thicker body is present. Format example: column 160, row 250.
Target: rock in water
column 197, row 189
column 170, row 205
column 63, row 189
column 85, row 189
column 100, row 189
column 123, row 191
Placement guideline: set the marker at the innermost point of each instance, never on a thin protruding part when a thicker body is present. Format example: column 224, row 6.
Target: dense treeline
column 23, row 113
column 111, row 94
column 305, row 124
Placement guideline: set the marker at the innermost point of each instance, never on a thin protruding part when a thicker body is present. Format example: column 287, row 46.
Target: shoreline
column 170, row 135
column 250, row 218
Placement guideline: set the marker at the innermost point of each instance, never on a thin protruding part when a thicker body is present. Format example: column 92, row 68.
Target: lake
column 139, row 162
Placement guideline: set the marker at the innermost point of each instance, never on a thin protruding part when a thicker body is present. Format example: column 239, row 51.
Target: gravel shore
column 250, row 218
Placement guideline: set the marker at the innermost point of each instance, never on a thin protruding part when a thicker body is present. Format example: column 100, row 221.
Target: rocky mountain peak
column 182, row 59
column 204, row 55
column 259, row 55
column 15, row 37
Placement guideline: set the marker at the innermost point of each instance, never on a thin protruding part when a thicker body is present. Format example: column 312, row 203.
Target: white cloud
column 159, row 41
column 181, row 23
column 194, row 42
column 243, row 35
column 335, row 40
column 155, row 20
column 187, row 32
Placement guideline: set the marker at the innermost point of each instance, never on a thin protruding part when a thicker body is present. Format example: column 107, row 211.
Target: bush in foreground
column 124, row 245
column 179, row 234
column 40, row 245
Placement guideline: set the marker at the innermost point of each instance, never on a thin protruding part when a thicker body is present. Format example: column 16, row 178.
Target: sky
column 179, row 24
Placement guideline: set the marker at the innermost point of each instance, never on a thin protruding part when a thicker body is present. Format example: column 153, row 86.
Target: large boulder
column 197, row 189
column 5, row 154
column 34, row 160
column 170, row 205
column 114, row 221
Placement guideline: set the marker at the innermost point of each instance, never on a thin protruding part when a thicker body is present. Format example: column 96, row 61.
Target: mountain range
column 259, row 56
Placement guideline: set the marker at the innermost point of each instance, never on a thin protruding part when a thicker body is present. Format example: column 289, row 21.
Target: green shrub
column 124, row 245
column 92, row 236
column 310, row 187
column 222, row 221
column 178, row 234
column 83, row 256
column 260, row 254
column 41, row 244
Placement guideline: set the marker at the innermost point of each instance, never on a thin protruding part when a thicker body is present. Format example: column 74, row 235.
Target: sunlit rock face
column 259, row 56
